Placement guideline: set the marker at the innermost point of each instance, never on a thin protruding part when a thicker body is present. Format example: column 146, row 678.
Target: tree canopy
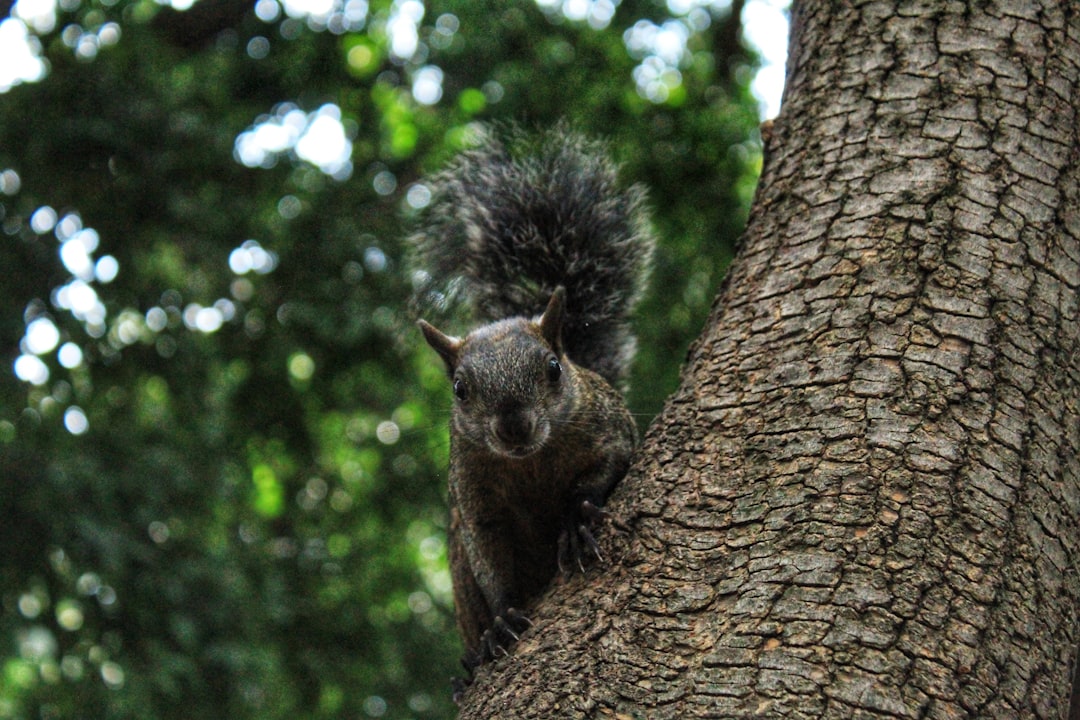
column 222, row 443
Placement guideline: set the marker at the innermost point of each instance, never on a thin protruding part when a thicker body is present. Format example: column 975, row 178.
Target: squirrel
column 551, row 254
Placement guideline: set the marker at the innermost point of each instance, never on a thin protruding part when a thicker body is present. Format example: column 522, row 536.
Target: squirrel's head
column 511, row 379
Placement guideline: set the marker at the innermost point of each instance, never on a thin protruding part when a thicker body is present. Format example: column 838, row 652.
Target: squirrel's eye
column 554, row 369
column 461, row 391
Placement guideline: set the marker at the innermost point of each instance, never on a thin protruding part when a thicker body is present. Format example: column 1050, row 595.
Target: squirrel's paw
column 505, row 630
column 458, row 685
column 577, row 544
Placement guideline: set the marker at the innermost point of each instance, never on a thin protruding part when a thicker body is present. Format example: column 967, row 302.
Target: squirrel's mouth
column 519, row 447
column 515, row 451
column 517, row 437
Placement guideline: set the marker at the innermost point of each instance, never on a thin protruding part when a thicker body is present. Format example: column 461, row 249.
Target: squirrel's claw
column 505, row 630
column 489, row 646
column 592, row 512
column 563, row 552
column 596, row 514
column 501, row 626
column 518, row 619
column 458, row 686
column 586, row 535
column 577, row 542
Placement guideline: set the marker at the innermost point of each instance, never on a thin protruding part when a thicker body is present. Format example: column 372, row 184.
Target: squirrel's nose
column 515, row 427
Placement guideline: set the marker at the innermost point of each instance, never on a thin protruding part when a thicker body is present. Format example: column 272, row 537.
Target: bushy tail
column 516, row 217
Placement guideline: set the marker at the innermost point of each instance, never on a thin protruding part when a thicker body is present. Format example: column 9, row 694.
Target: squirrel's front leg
column 577, row 544
column 471, row 611
column 489, row 552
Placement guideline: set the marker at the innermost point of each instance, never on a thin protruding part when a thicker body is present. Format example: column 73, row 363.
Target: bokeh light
column 301, row 366
column 75, row 420
column 403, row 28
column 37, row 643
column 208, row 319
column 106, row 269
column 31, row 604
column 10, row 182
column 20, row 55
column 41, row 336
column 31, row 369
column 418, row 196
column 252, row 257
column 323, row 143
column 87, row 43
column 21, row 50
column 766, row 29
column 43, row 220
column 113, row 675
column 597, row 13
column 388, row 432
column 384, row 182
column 39, row 15
column 660, row 49
column 337, row 16
column 318, row 138
column 70, row 355
column 427, row 85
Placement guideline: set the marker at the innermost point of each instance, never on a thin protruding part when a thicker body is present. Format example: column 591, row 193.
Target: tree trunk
column 865, row 498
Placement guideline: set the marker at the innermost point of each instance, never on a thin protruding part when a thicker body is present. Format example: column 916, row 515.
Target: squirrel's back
column 512, row 219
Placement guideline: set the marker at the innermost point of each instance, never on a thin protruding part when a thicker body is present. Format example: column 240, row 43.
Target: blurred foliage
column 225, row 498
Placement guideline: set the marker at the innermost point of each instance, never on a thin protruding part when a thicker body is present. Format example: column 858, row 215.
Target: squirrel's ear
column 447, row 346
column 551, row 321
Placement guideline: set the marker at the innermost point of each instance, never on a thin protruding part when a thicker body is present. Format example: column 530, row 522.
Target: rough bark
column 864, row 500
